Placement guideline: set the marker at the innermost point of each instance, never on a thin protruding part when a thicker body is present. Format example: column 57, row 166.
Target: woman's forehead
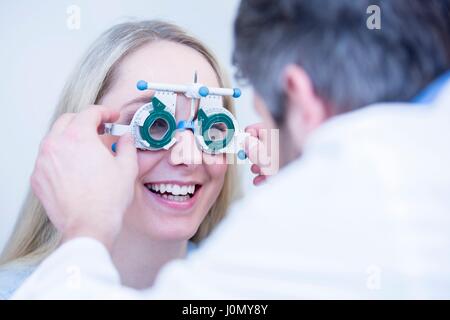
column 167, row 62
column 163, row 62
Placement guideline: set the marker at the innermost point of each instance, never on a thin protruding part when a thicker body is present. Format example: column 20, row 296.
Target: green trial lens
column 158, row 129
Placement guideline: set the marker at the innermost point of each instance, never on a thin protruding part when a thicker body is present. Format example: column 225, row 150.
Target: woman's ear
column 305, row 111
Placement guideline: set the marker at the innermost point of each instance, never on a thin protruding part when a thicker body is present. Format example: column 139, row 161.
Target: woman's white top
column 12, row 277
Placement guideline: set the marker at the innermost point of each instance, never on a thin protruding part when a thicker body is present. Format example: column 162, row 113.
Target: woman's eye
column 158, row 129
column 217, row 131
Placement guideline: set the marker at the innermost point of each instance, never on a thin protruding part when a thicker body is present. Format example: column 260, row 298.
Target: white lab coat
column 365, row 213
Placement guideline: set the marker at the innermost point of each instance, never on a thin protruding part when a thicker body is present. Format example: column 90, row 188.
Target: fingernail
column 113, row 147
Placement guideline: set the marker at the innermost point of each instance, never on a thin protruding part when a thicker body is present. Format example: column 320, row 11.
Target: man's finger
column 94, row 116
column 258, row 180
column 252, row 146
column 255, row 129
column 255, row 169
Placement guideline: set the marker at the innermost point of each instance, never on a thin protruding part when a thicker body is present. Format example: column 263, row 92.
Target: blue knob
column 242, row 155
column 142, row 85
column 114, row 147
column 203, row 91
column 236, row 93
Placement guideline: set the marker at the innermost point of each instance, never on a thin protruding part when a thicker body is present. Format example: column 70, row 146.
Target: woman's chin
column 163, row 220
column 171, row 232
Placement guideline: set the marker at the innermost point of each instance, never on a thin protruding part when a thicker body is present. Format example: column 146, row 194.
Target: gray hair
column 349, row 65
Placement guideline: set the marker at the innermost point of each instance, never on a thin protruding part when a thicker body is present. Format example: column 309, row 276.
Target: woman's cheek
column 216, row 167
column 217, row 172
column 147, row 160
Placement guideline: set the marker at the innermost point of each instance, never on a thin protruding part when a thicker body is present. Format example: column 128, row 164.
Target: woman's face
column 167, row 216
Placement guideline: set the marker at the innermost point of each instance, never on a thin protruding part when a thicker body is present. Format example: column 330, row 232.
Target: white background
column 38, row 51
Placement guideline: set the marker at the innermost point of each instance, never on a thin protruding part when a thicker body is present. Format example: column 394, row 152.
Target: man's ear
column 305, row 111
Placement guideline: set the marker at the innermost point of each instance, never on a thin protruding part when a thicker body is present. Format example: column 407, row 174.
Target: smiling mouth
column 173, row 192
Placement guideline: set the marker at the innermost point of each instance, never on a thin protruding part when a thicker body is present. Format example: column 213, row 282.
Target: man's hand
column 263, row 151
column 83, row 187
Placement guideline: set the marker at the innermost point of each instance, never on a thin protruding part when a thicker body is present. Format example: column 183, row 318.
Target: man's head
column 309, row 60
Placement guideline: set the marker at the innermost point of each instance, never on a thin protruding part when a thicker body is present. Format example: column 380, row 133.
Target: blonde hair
column 34, row 236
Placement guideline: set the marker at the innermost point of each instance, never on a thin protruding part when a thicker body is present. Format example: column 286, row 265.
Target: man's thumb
column 252, row 147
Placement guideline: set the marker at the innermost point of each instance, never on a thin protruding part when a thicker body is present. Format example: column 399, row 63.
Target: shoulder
column 12, row 276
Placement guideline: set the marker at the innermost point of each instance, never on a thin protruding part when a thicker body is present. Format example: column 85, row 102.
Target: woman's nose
column 185, row 151
column 186, row 108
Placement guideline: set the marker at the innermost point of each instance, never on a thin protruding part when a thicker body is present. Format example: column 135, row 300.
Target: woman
column 155, row 229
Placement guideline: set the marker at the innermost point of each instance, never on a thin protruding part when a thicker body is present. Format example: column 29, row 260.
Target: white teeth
column 174, row 189
column 174, row 198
